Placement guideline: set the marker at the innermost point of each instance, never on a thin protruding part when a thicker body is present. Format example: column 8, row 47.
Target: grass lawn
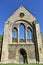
column 21, row 64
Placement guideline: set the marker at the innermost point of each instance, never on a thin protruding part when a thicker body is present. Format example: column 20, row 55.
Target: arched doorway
column 23, row 56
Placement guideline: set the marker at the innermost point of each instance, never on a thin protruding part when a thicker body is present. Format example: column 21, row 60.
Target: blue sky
column 8, row 7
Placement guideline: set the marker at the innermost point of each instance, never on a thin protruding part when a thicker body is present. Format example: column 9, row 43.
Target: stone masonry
column 22, row 51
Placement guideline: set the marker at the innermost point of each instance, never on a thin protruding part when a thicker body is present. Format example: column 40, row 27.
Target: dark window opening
column 21, row 15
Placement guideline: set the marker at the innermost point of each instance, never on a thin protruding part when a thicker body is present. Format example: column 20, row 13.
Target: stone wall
column 13, row 48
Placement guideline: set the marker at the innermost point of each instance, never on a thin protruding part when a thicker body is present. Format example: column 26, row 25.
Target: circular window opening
column 21, row 15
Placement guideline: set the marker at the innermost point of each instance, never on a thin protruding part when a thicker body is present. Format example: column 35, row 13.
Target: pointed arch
column 14, row 34
column 29, row 33
column 22, row 32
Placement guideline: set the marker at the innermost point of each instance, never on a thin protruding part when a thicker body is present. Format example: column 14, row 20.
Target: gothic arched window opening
column 29, row 34
column 14, row 35
column 22, row 33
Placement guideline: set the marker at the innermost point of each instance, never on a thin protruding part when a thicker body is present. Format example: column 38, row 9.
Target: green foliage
column 21, row 64
column 22, row 40
column 1, row 38
column 14, row 40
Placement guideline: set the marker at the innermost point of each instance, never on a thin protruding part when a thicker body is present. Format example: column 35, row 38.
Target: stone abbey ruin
column 28, row 49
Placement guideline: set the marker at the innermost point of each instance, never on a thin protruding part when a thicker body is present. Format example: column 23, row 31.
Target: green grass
column 21, row 64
